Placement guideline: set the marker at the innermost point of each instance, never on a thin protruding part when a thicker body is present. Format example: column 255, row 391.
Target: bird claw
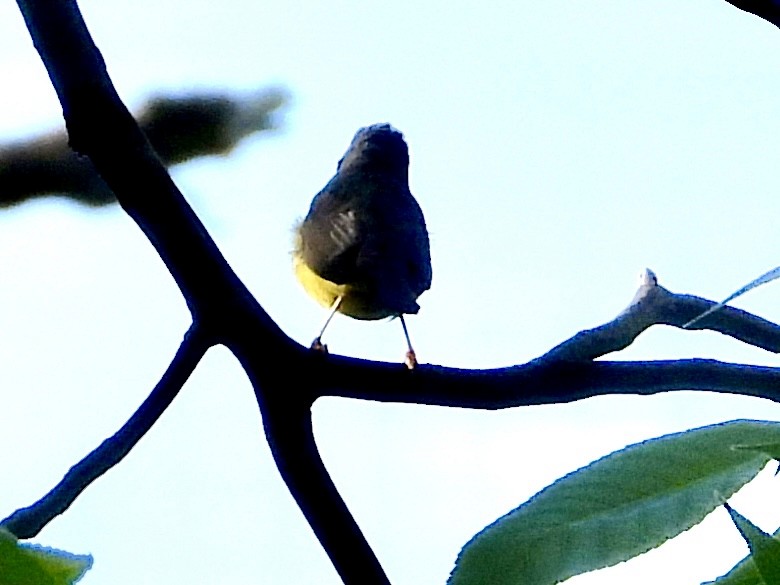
column 317, row 345
column 411, row 360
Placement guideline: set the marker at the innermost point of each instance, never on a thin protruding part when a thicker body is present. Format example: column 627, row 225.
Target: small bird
column 363, row 248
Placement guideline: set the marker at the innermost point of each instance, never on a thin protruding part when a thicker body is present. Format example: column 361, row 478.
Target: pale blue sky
column 558, row 148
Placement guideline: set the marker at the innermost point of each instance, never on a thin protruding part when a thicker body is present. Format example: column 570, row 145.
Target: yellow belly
column 355, row 302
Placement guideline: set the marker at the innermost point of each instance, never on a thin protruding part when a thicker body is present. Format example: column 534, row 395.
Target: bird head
column 378, row 148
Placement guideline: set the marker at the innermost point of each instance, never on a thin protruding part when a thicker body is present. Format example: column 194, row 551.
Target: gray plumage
column 366, row 230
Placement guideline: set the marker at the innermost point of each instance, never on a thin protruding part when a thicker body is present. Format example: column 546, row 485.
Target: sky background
column 557, row 149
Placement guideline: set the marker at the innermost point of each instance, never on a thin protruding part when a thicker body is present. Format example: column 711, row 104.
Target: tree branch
column 769, row 10
column 290, row 436
column 654, row 305
column 100, row 127
column 179, row 129
column 568, row 372
column 27, row 522
column 539, row 382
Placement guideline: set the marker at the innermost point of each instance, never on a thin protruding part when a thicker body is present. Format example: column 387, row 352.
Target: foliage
column 620, row 506
column 25, row 564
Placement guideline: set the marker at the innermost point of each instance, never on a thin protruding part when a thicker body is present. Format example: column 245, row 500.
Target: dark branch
column 100, row 127
column 568, row 372
column 769, row 10
column 285, row 387
column 290, row 436
column 654, row 305
column 540, row 382
column 27, row 522
column 179, row 129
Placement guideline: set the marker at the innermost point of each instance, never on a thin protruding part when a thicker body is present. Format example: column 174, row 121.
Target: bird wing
column 332, row 236
column 376, row 240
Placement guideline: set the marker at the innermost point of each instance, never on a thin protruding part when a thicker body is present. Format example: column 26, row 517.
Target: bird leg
column 317, row 343
column 411, row 358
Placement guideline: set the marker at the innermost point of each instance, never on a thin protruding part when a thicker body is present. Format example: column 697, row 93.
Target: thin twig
column 27, row 522
column 655, row 305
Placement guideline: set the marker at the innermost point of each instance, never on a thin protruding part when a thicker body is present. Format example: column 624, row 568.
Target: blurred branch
column 200, row 125
column 179, row 128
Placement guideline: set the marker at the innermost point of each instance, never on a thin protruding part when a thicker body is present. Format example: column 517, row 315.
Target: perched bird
column 363, row 248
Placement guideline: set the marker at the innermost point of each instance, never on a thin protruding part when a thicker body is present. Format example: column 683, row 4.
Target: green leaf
column 764, row 549
column 25, row 564
column 744, row 572
column 620, row 506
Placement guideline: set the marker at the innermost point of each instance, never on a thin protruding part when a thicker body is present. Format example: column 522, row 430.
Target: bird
column 363, row 248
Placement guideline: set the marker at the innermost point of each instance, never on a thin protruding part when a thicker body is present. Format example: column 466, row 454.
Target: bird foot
column 411, row 360
column 317, row 345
